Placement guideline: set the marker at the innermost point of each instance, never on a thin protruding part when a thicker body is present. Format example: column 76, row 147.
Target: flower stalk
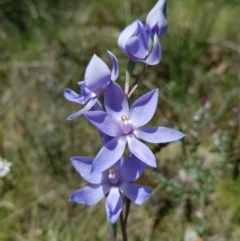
column 111, row 174
column 138, row 82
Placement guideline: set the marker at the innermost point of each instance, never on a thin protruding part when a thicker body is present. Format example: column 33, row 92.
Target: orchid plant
column 112, row 174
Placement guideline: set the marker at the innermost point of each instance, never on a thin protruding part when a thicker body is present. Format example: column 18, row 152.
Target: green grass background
column 45, row 47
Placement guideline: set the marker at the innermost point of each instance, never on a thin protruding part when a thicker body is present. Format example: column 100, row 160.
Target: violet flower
column 141, row 43
column 157, row 19
column 111, row 182
column 97, row 78
column 125, row 126
column 133, row 41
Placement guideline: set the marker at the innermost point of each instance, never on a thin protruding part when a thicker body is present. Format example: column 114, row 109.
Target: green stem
column 113, row 229
column 138, row 81
column 123, row 228
column 129, row 73
column 128, row 203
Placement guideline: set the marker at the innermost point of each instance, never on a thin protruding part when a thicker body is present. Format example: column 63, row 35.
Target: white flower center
column 126, row 124
column 113, row 176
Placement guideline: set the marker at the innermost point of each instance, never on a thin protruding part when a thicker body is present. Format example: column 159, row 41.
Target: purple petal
column 141, row 151
column 73, row 96
column 83, row 166
column 127, row 33
column 115, row 69
column 143, row 34
column 104, row 122
column 135, row 49
column 115, row 101
column 156, row 53
column 135, row 192
column 131, row 169
column 118, row 164
column 87, row 107
column 158, row 134
column 88, row 195
column 80, row 99
column 144, row 108
column 105, row 138
column 113, row 204
column 97, row 75
column 85, row 91
column 97, row 106
column 157, row 18
column 137, row 46
column 109, row 154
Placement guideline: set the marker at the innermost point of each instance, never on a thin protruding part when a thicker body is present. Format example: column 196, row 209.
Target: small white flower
column 4, row 167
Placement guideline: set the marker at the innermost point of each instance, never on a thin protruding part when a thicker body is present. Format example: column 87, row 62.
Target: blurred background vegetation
column 45, row 46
